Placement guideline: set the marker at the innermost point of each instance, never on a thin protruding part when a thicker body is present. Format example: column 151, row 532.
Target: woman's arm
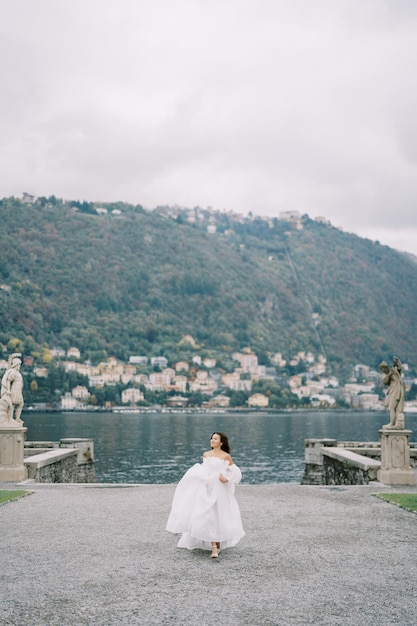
column 232, row 475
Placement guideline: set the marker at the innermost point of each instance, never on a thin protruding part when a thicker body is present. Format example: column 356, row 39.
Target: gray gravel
column 99, row 555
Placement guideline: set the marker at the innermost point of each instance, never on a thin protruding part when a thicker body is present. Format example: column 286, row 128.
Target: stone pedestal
column 395, row 458
column 12, row 439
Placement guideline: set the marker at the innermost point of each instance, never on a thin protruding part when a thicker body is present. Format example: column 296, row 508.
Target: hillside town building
column 200, row 375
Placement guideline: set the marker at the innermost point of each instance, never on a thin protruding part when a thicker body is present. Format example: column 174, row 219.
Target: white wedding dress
column 204, row 509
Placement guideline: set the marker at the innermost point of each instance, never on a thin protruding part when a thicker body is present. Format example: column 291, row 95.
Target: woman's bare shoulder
column 224, row 456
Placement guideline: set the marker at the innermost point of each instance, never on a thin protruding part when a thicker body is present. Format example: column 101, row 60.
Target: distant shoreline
column 130, row 410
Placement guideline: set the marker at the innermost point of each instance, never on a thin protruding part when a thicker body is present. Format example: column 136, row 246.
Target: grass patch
column 6, row 496
column 406, row 501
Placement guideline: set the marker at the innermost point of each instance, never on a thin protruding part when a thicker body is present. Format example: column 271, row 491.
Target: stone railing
column 332, row 462
column 343, row 467
column 53, row 466
column 66, row 461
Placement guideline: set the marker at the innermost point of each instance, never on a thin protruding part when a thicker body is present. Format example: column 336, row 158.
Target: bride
column 204, row 508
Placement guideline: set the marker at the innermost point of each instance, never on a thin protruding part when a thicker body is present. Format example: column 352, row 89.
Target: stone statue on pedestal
column 394, row 400
column 12, row 431
column 11, row 400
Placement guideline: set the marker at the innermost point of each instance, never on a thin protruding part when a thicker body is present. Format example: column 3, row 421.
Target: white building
column 159, row 381
column 322, row 399
column 96, row 381
column 277, row 360
column 248, row 362
column 73, row 353
column 40, row 372
column 181, row 366
column 57, row 352
column 258, row 400
column 180, row 383
column 132, row 396
column 209, row 363
column 366, row 401
column 203, row 385
column 69, row 403
column 138, row 360
column 159, row 360
column 81, row 393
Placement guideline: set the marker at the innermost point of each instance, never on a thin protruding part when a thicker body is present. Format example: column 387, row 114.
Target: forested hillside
column 135, row 282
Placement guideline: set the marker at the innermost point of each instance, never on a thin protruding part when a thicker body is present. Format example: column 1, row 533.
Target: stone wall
column 343, row 467
column 53, row 466
column 66, row 461
column 313, row 457
column 331, row 462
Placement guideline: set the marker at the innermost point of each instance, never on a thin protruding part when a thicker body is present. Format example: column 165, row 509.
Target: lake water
column 160, row 447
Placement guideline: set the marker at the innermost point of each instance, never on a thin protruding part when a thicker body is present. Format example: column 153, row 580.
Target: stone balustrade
column 344, row 467
column 53, row 466
column 65, row 461
column 332, row 462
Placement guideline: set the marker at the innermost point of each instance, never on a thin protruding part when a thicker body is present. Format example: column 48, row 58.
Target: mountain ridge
column 129, row 281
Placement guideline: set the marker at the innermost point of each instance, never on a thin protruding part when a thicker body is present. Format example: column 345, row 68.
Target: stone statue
column 394, row 400
column 12, row 390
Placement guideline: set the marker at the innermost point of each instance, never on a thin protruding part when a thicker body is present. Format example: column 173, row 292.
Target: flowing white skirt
column 204, row 509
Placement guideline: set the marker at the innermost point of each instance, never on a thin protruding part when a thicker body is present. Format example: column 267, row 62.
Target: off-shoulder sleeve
column 233, row 474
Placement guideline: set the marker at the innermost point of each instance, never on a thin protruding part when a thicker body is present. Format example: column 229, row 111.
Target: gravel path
column 99, row 555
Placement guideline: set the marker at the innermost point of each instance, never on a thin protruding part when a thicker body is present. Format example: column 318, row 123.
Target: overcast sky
column 242, row 105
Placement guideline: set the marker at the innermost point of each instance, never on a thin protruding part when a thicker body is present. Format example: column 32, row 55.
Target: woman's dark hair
column 225, row 446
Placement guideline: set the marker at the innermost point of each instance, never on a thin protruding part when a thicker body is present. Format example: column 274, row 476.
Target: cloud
column 248, row 106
